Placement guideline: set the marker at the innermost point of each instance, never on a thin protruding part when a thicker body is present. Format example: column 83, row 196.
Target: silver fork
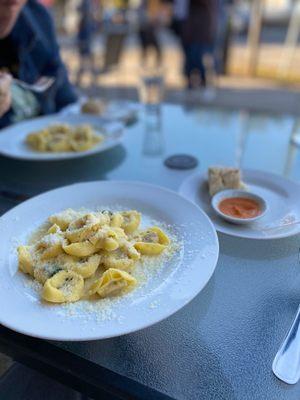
column 286, row 365
column 41, row 85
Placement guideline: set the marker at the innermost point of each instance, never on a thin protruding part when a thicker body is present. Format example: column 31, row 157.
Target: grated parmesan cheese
column 147, row 272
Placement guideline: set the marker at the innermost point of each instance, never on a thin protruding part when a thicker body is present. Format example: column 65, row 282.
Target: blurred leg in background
column 148, row 16
column 198, row 38
column 223, row 35
column 196, row 65
column 149, row 41
column 84, row 39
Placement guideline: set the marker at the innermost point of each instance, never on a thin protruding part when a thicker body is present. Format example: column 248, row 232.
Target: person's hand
column 5, row 93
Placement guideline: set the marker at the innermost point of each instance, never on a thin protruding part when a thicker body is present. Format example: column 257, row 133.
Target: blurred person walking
column 223, row 35
column 197, row 29
column 148, row 29
column 180, row 14
column 84, row 38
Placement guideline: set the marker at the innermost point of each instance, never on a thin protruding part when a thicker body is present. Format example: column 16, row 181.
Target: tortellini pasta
column 51, row 245
column 152, row 241
column 108, row 238
column 64, row 138
column 83, row 228
column 80, row 249
column 131, row 221
column 64, row 286
column 89, row 254
column 85, row 266
column 123, row 258
column 45, row 270
column 64, row 218
column 25, row 260
column 112, row 282
column 54, row 229
column 116, row 220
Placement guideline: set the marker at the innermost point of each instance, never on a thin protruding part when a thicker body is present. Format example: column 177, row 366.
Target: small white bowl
column 225, row 194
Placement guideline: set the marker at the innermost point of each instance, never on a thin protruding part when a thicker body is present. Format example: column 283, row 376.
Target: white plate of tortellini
column 124, row 111
column 101, row 259
column 59, row 137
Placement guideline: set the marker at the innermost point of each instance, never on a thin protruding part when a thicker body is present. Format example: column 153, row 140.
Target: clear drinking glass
column 295, row 134
column 153, row 143
column 151, row 87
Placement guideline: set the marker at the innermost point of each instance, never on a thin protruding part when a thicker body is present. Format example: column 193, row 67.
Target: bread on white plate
column 222, row 178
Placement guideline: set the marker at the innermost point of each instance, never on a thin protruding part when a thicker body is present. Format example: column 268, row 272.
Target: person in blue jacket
column 29, row 50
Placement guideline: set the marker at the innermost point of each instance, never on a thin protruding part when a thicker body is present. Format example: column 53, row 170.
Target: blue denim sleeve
column 39, row 55
column 5, row 120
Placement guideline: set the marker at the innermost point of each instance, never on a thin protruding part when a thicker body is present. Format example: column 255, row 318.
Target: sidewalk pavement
column 235, row 90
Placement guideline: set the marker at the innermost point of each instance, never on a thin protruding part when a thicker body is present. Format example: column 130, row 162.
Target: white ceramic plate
column 180, row 279
column 282, row 196
column 12, row 139
column 123, row 111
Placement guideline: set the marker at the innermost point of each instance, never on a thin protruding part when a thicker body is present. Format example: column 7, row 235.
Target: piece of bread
column 93, row 106
column 222, row 178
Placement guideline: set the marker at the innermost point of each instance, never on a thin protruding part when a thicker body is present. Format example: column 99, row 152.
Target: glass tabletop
column 213, row 136
column 221, row 345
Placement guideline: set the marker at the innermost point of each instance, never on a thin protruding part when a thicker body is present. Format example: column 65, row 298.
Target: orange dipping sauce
column 240, row 207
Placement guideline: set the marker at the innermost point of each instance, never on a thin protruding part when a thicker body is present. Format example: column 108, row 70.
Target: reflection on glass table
column 153, row 133
column 213, row 136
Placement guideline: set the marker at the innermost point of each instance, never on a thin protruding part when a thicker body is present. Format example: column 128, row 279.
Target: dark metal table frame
column 73, row 371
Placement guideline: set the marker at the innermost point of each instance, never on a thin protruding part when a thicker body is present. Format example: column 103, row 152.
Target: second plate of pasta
column 101, row 259
column 59, row 137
